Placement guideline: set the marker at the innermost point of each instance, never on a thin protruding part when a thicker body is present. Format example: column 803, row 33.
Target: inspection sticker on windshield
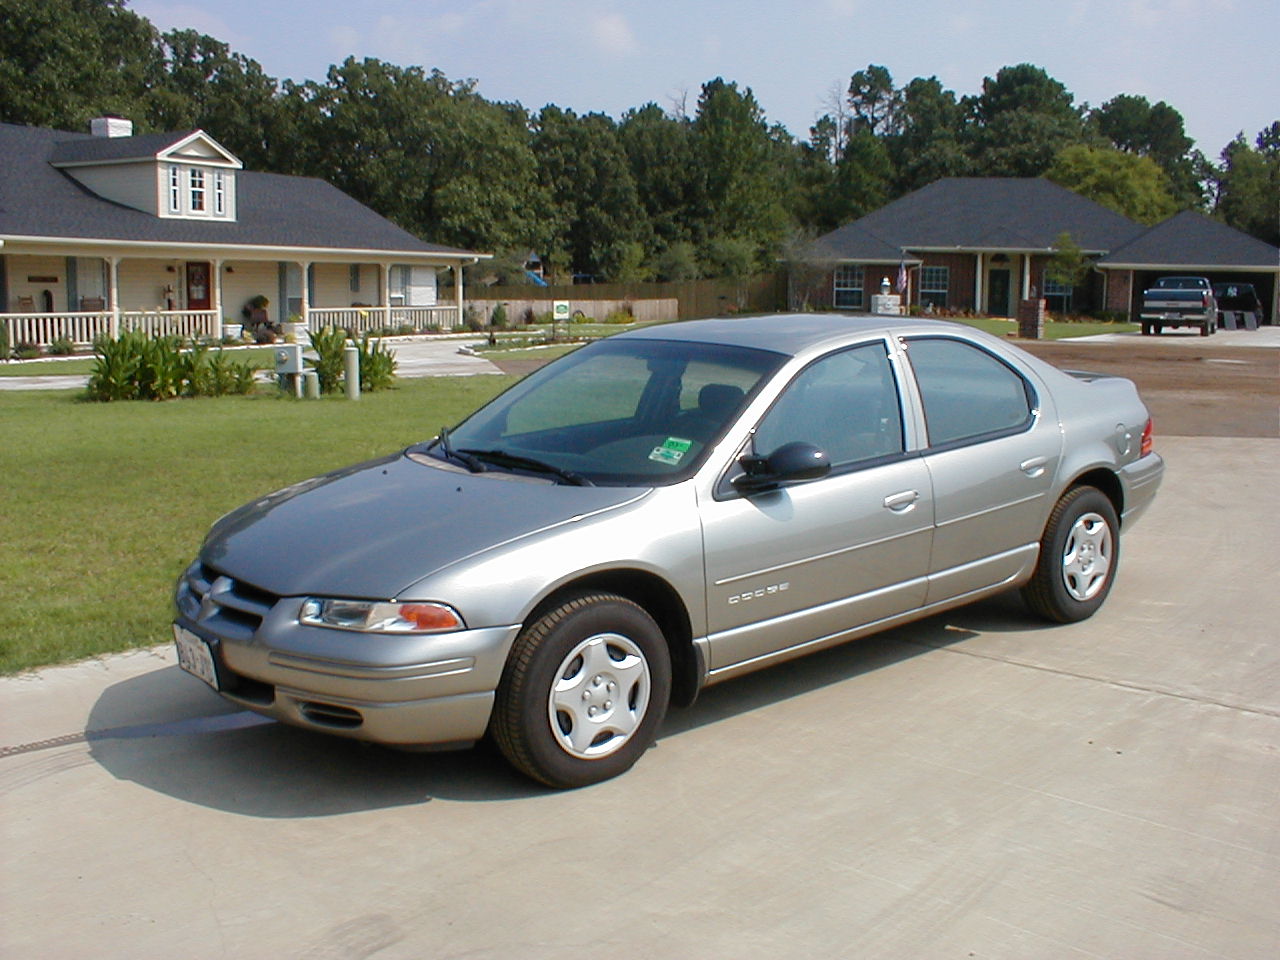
column 672, row 450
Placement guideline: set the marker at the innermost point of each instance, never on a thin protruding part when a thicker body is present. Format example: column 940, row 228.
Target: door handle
column 1033, row 467
column 902, row 502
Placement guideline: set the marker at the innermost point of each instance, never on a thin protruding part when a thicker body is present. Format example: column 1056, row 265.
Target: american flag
column 902, row 276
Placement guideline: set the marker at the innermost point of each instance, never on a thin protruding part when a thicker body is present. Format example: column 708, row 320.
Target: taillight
column 1148, row 438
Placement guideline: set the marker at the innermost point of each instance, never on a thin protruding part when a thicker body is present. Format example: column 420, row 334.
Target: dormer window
column 219, row 193
column 197, row 190
column 175, row 189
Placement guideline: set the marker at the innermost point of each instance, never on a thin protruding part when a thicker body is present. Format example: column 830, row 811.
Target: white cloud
column 613, row 33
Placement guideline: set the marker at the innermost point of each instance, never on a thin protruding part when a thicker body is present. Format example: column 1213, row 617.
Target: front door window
column 198, row 297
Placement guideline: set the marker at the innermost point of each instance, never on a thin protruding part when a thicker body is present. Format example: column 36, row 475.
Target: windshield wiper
column 501, row 458
column 462, row 456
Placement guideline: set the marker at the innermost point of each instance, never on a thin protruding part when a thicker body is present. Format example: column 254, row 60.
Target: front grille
column 226, row 606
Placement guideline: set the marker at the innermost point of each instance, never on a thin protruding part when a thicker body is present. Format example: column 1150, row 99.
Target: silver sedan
column 659, row 511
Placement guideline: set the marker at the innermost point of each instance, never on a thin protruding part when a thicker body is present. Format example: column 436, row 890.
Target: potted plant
column 294, row 328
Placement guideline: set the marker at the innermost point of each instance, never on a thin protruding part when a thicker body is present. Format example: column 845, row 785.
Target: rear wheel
column 583, row 692
column 1079, row 554
column 1206, row 328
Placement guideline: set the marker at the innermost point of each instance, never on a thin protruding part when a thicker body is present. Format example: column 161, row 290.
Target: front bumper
column 408, row 690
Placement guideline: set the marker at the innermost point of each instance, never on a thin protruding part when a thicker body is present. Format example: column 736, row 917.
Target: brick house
column 981, row 244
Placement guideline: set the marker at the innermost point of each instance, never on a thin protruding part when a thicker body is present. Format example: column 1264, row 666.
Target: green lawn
column 105, row 504
column 1053, row 329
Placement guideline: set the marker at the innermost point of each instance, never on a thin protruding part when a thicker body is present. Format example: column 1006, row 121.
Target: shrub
column 115, row 368
column 26, row 350
column 4, row 341
column 329, row 345
column 498, row 319
column 377, row 365
column 136, row 367
column 473, row 320
column 621, row 315
column 61, row 347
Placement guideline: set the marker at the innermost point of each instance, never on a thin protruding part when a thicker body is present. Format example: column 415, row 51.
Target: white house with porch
column 167, row 232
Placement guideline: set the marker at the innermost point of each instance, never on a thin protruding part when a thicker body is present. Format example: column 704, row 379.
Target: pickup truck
column 1179, row 302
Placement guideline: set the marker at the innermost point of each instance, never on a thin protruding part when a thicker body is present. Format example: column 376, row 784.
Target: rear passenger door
column 992, row 450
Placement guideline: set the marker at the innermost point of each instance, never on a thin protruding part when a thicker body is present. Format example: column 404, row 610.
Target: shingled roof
column 39, row 201
column 1192, row 239
column 980, row 213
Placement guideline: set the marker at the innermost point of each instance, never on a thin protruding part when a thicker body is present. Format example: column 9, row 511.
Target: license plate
column 195, row 655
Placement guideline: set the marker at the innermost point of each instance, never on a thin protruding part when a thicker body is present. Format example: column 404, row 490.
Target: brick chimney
column 111, row 127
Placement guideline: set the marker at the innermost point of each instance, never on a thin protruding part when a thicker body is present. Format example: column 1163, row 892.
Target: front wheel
column 583, row 692
column 1079, row 554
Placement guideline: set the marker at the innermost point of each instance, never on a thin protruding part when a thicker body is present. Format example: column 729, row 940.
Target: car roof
column 792, row 333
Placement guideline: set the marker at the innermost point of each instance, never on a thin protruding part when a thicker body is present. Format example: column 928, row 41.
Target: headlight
column 369, row 616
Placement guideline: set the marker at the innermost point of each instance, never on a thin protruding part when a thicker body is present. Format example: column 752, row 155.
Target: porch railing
column 188, row 324
column 43, row 329
column 359, row 320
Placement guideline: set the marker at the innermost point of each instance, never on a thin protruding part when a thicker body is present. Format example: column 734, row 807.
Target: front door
column 199, row 296
column 998, row 293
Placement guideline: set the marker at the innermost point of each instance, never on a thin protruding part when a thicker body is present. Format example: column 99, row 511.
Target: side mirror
column 790, row 463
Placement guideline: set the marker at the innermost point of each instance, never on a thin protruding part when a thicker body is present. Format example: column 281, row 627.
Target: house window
column 197, row 188
column 219, row 193
column 397, row 283
column 933, row 285
column 175, row 189
column 1057, row 295
column 847, row 288
column 354, row 280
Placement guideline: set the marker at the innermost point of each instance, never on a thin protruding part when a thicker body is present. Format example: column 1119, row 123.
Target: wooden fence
column 687, row 300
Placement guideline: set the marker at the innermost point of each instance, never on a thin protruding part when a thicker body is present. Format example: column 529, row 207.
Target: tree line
column 659, row 193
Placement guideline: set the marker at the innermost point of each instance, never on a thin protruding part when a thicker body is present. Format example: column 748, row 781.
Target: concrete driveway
column 975, row 785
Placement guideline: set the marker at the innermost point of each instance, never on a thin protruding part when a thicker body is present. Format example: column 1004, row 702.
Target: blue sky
column 610, row 55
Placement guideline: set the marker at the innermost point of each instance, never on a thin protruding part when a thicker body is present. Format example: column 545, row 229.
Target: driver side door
column 806, row 562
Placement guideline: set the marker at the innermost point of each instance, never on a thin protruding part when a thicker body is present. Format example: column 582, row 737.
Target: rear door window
column 969, row 395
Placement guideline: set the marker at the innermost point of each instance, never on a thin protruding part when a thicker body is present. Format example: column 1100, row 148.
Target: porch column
column 113, row 282
column 385, row 294
column 978, row 289
column 460, row 322
column 216, row 332
column 306, row 294
column 1026, row 276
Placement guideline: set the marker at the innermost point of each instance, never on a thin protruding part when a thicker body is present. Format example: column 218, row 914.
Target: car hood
column 372, row 530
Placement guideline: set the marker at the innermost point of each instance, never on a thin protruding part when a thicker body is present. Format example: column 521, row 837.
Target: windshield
column 618, row 411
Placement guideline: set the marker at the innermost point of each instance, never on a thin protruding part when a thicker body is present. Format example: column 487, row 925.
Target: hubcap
column 1086, row 558
column 600, row 696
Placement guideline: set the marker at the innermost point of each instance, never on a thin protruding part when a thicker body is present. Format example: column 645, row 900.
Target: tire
column 1146, row 329
column 1157, row 328
column 583, row 692
column 1205, row 329
column 1079, row 556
